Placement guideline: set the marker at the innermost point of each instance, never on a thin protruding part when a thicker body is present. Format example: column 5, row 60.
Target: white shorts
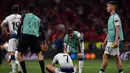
column 12, row 44
column 57, row 70
column 111, row 51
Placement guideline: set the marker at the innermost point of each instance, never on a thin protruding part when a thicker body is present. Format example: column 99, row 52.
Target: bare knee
column 117, row 58
column 40, row 56
column 105, row 56
column 50, row 68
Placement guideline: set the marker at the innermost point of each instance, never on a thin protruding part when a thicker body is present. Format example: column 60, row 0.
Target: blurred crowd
column 86, row 16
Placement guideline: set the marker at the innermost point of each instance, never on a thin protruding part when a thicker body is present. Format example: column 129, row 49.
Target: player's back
column 13, row 21
column 64, row 60
column 31, row 25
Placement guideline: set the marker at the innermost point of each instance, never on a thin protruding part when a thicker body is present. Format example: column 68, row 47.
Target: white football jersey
column 12, row 21
column 63, row 59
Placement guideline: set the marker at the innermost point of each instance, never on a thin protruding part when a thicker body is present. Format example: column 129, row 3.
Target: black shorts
column 27, row 41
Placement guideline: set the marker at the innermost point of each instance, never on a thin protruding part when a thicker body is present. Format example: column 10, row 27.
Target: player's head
column 15, row 8
column 70, row 33
column 30, row 8
column 111, row 5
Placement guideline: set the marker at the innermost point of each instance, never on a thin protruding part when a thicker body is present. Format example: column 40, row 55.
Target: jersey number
column 66, row 58
column 15, row 25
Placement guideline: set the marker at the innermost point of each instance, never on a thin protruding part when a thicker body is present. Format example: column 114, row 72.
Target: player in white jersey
column 12, row 21
column 66, row 64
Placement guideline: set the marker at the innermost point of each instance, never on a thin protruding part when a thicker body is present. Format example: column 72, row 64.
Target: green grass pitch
column 90, row 66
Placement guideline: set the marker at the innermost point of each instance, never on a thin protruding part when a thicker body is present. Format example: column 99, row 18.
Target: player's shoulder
column 36, row 17
column 61, row 54
column 66, row 36
column 9, row 16
column 116, row 15
column 14, row 15
column 76, row 32
column 19, row 15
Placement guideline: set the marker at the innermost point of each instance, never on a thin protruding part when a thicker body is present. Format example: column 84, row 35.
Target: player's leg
column 75, row 68
column 80, row 58
column 119, row 63
column 104, row 63
column 22, row 47
column 52, row 69
column 36, row 48
column 11, row 52
column 115, row 52
column 17, row 62
column 105, row 57
column 0, row 55
column 41, row 61
column 22, row 62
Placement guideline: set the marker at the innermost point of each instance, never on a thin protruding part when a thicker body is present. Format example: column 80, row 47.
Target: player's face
column 71, row 35
column 109, row 7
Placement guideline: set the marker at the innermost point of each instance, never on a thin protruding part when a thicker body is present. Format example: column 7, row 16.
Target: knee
column 40, row 56
column 47, row 66
column 116, row 58
column 105, row 56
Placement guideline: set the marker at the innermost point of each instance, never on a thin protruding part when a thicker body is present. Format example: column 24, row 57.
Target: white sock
column 13, row 65
column 81, row 66
column 101, row 72
column 19, row 67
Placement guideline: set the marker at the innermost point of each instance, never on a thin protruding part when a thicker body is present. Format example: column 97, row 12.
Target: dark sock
column 41, row 63
column 120, row 70
column 102, row 70
column 23, row 66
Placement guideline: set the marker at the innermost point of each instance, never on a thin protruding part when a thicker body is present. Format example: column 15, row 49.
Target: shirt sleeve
column 78, row 35
column 54, row 60
column 5, row 21
column 116, row 20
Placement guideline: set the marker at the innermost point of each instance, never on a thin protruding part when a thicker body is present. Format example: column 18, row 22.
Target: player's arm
column 80, row 41
column 65, row 45
column 5, row 22
column 55, row 61
column 117, row 26
column 105, row 41
column 20, row 24
column 43, row 38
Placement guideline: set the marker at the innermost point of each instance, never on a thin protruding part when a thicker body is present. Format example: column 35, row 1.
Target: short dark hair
column 15, row 8
column 69, row 30
column 113, row 3
column 30, row 8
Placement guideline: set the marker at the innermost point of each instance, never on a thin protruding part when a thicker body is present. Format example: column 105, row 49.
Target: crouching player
column 66, row 64
column 73, row 42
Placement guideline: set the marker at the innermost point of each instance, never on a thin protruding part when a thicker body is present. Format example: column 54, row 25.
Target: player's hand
column 80, row 55
column 103, row 45
column 44, row 47
column 116, row 44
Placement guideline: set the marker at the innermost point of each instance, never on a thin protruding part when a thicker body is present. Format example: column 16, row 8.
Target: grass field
column 90, row 66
